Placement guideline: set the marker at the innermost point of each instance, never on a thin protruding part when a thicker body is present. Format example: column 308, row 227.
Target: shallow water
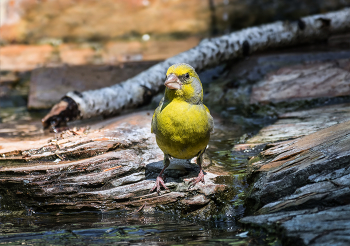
column 116, row 228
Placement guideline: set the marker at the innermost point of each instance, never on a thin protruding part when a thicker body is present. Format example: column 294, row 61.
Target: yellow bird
column 182, row 123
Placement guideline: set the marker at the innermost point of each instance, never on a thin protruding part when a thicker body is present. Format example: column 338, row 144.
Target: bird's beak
column 173, row 82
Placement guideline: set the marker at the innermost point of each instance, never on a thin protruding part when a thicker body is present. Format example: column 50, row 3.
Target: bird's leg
column 159, row 180
column 200, row 177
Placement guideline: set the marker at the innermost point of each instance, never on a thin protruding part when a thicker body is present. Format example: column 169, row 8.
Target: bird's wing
column 211, row 122
column 206, row 109
column 154, row 118
column 210, row 119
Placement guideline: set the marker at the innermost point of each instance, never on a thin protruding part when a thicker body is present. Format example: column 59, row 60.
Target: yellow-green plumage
column 182, row 123
column 182, row 129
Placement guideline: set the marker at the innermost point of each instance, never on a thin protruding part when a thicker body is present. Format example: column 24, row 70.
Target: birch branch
column 210, row 52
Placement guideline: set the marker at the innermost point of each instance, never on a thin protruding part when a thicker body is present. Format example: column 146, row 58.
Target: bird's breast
column 182, row 129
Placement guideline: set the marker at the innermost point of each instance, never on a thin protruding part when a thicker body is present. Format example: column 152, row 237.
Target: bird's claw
column 159, row 183
column 200, row 178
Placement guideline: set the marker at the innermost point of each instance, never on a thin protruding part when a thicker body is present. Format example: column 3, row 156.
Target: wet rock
column 299, row 187
column 257, row 66
column 301, row 82
column 300, row 123
column 111, row 165
column 299, row 173
column 318, row 226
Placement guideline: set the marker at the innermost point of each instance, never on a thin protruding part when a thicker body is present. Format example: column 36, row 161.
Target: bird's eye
column 187, row 75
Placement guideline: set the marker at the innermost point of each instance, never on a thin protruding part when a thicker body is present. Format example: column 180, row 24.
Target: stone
column 300, row 185
column 299, row 188
column 110, row 165
column 305, row 81
column 285, row 175
column 319, row 226
column 300, row 123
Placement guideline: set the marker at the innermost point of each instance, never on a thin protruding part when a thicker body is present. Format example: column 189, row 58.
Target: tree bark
column 210, row 52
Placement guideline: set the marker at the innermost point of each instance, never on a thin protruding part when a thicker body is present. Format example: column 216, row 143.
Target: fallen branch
column 210, row 52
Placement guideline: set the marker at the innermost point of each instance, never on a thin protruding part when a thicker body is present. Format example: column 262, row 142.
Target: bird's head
column 183, row 83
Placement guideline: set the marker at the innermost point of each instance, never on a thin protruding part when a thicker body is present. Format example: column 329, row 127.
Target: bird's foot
column 200, row 178
column 159, row 183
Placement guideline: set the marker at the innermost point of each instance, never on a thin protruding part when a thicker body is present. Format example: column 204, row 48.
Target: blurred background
column 50, row 47
column 76, row 32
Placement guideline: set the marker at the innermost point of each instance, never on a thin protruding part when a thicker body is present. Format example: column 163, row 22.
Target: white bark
column 209, row 53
